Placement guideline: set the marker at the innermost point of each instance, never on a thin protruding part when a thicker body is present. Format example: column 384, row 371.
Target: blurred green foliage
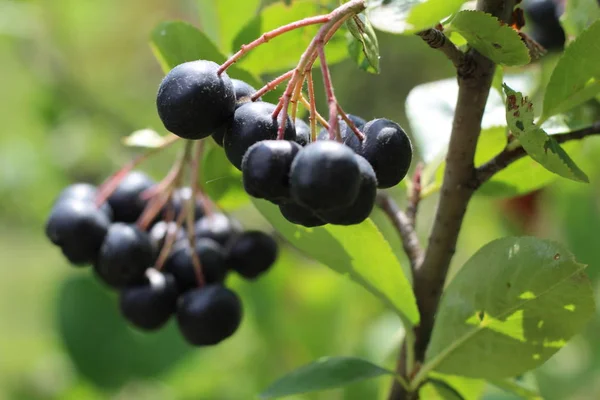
column 76, row 76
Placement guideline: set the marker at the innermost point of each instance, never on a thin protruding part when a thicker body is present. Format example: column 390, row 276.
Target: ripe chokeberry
column 84, row 192
column 209, row 315
column 160, row 230
column 179, row 201
column 149, row 306
column 362, row 206
column 251, row 254
column 300, row 215
column 252, row 122
column 388, row 149
column 218, row 227
column 325, row 175
column 243, row 91
column 78, row 227
column 125, row 255
column 212, row 259
column 126, row 201
column 302, row 132
column 193, row 100
column 266, row 168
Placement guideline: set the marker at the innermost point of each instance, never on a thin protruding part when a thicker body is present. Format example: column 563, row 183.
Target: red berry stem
column 351, row 124
column 194, row 166
column 169, row 242
column 334, row 128
column 112, row 182
column 265, row 37
column 313, row 108
column 337, row 17
column 272, row 85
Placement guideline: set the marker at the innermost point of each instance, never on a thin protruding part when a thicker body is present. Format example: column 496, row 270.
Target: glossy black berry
column 212, row 258
column 78, row 228
column 193, row 100
column 209, row 315
column 358, row 121
column 266, row 169
column 217, row 227
column 388, row 149
column 299, row 215
column 124, row 256
column 252, row 253
column 346, row 133
column 84, row 192
column 126, row 201
column 302, row 132
column 543, row 16
column 149, row 306
column 325, row 175
column 362, row 206
column 243, row 91
column 252, row 122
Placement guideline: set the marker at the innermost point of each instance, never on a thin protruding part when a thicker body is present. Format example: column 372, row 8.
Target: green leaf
column 432, row 12
column 102, row 346
column 579, row 15
column 495, row 40
column 576, row 77
column 220, row 179
column 409, row 16
column 364, row 50
column 467, row 388
column 283, row 52
column 358, row 251
column 514, row 304
column 228, row 23
column 146, row 138
column 439, row 390
column 176, row 42
column 542, row 148
column 323, row 374
column 511, row 386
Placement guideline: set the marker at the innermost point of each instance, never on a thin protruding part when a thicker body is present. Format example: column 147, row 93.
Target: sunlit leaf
column 364, row 49
column 576, row 77
column 514, row 304
column 358, row 251
column 495, row 40
column 323, row 374
column 536, row 142
column 146, row 138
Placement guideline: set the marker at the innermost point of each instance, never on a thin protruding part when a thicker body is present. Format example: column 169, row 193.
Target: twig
column 410, row 241
column 415, row 195
column 436, row 39
column 272, row 85
column 265, row 37
column 508, row 156
column 318, row 116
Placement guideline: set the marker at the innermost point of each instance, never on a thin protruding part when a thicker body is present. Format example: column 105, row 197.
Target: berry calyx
column 193, row 100
column 252, row 253
column 150, row 305
column 209, row 315
column 325, row 175
column 388, row 149
column 266, row 168
column 252, row 123
column 125, row 255
column 362, row 206
column 126, row 201
column 78, row 227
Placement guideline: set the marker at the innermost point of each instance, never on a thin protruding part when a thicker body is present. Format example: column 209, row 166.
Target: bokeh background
column 75, row 77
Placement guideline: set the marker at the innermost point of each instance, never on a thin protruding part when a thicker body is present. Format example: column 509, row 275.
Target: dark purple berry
column 193, row 100
column 126, row 201
column 209, row 315
column 299, row 215
column 252, row 253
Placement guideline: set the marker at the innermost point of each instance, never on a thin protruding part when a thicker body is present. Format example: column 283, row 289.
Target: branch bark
column 436, row 39
column 508, row 156
column 457, row 187
column 404, row 226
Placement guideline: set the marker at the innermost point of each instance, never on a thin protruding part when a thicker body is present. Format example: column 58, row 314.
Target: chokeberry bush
column 243, row 112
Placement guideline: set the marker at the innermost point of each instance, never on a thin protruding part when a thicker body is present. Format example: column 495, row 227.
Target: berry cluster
column 313, row 182
column 158, row 272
